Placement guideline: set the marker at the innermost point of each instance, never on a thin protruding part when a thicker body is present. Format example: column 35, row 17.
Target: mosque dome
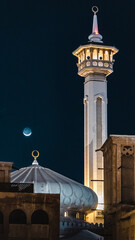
column 73, row 195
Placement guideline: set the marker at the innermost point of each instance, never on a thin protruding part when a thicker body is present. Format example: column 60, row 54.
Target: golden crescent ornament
column 95, row 9
column 35, row 156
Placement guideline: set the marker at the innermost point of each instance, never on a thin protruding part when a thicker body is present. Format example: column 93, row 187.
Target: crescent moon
column 27, row 134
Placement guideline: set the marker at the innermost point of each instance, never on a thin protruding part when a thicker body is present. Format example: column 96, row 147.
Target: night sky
column 40, row 87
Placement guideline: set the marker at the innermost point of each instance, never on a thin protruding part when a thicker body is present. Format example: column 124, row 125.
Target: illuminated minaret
column 95, row 63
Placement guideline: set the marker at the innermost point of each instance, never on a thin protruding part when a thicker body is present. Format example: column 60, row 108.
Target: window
column 106, row 56
column 39, row 217
column 82, row 56
column 111, row 57
column 17, row 217
column 87, row 54
column 79, row 59
column 100, row 55
column 95, row 54
column 66, row 214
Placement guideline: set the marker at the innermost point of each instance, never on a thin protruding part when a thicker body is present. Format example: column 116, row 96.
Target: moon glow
column 27, row 132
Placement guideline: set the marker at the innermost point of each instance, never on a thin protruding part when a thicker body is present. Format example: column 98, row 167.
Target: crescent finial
column 35, row 156
column 95, row 9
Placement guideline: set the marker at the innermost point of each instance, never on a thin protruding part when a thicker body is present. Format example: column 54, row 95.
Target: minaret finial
column 95, row 36
column 35, row 157
column 95, row 9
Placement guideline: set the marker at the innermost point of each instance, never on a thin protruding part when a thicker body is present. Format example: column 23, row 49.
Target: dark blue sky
column 40, row 87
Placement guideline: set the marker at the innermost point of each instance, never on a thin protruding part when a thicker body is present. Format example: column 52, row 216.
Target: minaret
column 95, row 63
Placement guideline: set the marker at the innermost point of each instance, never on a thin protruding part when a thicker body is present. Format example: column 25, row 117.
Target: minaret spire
column 95, row 36
column 95, row 63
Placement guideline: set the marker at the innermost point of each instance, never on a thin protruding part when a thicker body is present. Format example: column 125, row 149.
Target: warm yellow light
column 87, row 54
column 111, row 57
column 106, row 56
column 100, row 55
column 96, row 31
column 66, row 214
column 81, row 57
column 100, row 206
column 95, row 54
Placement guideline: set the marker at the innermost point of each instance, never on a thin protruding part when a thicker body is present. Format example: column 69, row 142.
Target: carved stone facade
column 119, row 187
column 31, row 216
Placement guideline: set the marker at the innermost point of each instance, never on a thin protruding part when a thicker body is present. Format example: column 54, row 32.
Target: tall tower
column 95, row 63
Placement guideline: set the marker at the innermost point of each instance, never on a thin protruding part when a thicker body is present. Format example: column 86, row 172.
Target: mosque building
column 95, row 63
column 78, row 202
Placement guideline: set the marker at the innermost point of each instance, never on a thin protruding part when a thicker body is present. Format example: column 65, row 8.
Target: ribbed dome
column 73, row 195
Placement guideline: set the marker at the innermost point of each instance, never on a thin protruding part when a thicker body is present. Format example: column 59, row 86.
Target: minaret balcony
column 95, row 58
column 94, row 65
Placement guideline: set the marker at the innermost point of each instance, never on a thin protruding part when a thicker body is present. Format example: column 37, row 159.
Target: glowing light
column 95, row 54
column 106, row 56
column 96, row 31
column 66, row 214
column 27, row 132
column 87, row 54
column 100, row 55
column 100, row 206
column 111, row 56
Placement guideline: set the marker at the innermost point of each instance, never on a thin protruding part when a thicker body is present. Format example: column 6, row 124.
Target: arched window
column 39, row 217
column 17, row 217
column 111, row 56
column 82, row 56
column 95, row 54
column 66, row 214
column 87, row 54
column 100, row 55
column 106, row 56
column 1, row 218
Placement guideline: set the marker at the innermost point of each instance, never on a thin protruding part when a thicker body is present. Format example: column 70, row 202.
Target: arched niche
column 17, row 217
column 39, row 217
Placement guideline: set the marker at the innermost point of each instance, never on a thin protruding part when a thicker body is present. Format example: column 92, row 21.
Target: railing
column 95, row 63
column 16, row 187
column 69, row 226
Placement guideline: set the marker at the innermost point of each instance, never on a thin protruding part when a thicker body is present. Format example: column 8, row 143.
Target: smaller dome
column 73, row 195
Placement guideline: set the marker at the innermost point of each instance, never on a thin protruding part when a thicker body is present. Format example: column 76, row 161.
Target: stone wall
column 119, row 187
column 28, row 204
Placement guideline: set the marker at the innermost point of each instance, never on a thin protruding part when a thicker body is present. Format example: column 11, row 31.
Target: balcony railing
column 16, row 187
column 95, row 63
